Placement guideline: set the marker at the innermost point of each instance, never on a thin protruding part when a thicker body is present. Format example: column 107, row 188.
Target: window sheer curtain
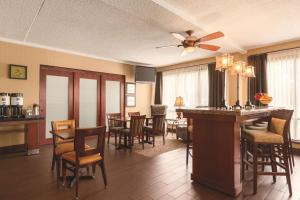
column 191, row 83
column 283, row 75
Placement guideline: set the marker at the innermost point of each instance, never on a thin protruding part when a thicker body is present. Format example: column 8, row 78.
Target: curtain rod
column 188, row 66
column 276, row 51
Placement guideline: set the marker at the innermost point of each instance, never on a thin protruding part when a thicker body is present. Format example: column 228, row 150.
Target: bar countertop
column 14, row 119
column 232, row 112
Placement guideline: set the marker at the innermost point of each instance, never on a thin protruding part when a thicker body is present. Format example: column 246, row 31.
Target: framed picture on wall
column 18, row 72
column 130, row 88
column 130, row 101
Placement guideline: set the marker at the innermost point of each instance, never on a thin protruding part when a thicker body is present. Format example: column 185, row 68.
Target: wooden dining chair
column 113, row 125
column 135, row 130
column 276, row 140
column 61, row 146
column 84, row 156
column 157, row 128
column 130, row 114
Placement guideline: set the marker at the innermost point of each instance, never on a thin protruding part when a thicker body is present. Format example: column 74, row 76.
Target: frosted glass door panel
column 57, row 100
column 112, row 97
column 87, row 103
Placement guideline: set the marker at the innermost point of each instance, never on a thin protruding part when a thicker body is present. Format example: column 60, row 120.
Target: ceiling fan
column 190, row 42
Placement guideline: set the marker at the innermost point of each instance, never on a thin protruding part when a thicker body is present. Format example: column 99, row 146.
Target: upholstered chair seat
column 84, row 160
column 263, row 137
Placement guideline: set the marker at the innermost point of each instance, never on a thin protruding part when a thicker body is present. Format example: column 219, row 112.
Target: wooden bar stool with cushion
column 114, row 126
column 276, row 139
column 84, row 156
column 61, row 146
column 135, row 130
column 157, row 128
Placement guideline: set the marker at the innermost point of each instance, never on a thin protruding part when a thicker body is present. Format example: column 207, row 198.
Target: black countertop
column 12, row 119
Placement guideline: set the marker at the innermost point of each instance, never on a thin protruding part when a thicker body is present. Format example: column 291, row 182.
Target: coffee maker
column 16, row 102
column 4, row 105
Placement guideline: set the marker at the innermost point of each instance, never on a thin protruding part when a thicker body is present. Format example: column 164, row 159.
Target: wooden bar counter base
column 216, row 146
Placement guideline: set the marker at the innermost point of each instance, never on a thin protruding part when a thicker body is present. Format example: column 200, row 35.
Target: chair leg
column 143, row 141
column 77, row 181
column 88, row 170
column 58, row 168
column 94, row 170
column 254, row 168
column 153, row 142
column 108, row 137
column 287, row 171
column 164, row 142
column 101, row 164
column 116, row 138
column 273, row 162
column 64, row 172
column 53, row 162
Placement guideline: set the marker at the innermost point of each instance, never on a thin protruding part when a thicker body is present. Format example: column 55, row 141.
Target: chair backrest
column 79, row 142
column 137, row 124
column 113, row 123
column 62, row 124
column 130, row 114
column 158, row 110
column 285, row 115
column 158, row 124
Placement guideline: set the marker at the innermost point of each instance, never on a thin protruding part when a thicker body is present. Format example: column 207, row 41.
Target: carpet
column 171, row 144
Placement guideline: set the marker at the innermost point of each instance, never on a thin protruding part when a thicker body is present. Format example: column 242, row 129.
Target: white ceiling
column 129, row 30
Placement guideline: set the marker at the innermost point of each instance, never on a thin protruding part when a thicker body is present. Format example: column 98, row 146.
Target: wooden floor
column 130, row 176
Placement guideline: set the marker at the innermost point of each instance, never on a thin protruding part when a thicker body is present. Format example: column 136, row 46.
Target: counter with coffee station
column 216, row 145
column 12, row 114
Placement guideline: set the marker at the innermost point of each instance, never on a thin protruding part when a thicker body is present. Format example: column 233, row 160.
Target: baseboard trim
column 13, row 149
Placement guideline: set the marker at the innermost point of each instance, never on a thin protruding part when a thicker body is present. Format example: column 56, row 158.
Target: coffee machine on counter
column 4, row 105
column 16, row 102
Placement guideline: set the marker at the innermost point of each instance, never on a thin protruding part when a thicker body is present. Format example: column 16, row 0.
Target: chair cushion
column 64, row 148
column 254, row 127
column 124, row 131
column 71, row 157
column 148, row 128
column 116, row 129
column 277, row 125
column 262, row 136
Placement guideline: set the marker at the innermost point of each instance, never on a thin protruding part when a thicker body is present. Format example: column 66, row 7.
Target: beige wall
column 34, row 57
column 232, row 82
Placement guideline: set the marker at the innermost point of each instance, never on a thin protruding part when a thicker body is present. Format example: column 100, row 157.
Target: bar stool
column 189, row 144
column 276, row 140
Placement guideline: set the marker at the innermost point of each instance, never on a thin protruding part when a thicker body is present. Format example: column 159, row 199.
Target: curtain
column 158, row 89
column 191, row 83
column 283, row 75
column 216, row 85
column 259, row 83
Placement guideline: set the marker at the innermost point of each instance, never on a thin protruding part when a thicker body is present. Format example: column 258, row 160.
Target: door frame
column 54, row 71
column 112, row 77
column 87, row 75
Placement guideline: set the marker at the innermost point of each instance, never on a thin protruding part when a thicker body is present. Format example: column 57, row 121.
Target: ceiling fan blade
column 208, row 47
column 166, row 46
column 178, row 36
column 184, row 52
column 210, row 36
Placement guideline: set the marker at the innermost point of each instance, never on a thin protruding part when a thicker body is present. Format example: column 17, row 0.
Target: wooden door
column 56, row 98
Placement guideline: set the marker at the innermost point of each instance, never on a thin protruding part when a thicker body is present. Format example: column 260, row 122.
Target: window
column 191, row 83
column 283, row 76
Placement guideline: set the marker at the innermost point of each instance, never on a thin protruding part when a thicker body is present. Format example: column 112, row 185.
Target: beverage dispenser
column 16, row 102
column 4, row 105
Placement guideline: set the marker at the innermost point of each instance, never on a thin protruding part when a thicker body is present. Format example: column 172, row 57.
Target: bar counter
column 216, row 145
column 31, row 131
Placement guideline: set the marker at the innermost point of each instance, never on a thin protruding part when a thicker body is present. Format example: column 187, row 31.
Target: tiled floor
column 130, row 176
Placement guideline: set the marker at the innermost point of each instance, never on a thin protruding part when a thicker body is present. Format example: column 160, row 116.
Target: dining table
column 125, row 121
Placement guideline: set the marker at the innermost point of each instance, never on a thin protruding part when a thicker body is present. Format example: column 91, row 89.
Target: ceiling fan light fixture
column 189, row 49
